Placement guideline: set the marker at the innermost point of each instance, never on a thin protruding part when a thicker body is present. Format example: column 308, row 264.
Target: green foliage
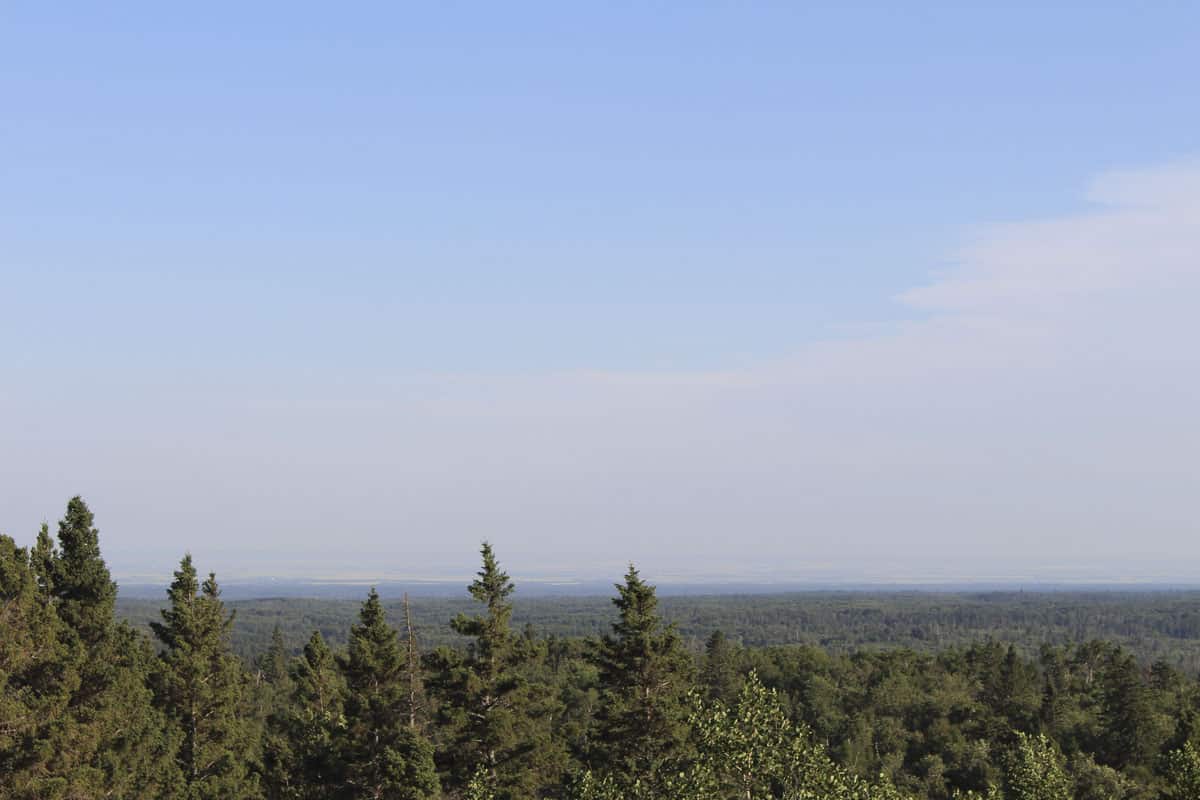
column 1094, row 781
column 89, row 709
column 645, row 676
column 202, row 687
column 300, row 752
column 85, row 590
column 35, row 681
column 1151, row 626
column 79, row 693
column 750, row 750
column 753, row 750
column 1034, row 771
column 720, row 675
column 1182, row 771
column 380, row 754
column 495, row 709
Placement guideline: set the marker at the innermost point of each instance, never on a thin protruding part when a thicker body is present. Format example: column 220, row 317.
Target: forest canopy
column 637, row 707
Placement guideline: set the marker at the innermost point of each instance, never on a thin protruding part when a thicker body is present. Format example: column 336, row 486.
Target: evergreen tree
column 381, row 755
column 82, row 583
column 645, row 676
column 96, row 732
column 36, row 680
column 1133, row 735
column 498, row 718
column 720, row 676
column 313, row 723
column 273, row 691
column 137, row 743
column 44, row 561
column 273, row 665
column 203, row 688
column 121, row 744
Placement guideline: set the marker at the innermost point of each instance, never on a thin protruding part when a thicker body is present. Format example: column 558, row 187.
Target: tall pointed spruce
column 719, row 673
column 645, row 676
column 110, row 740
column 382, row 756
column 499, row 719
column 313, row 723
column 202, row 687
column 82, row 581
column 35, row 681
column 272, row 692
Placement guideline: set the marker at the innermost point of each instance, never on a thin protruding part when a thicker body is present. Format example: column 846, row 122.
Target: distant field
column 1155, row 625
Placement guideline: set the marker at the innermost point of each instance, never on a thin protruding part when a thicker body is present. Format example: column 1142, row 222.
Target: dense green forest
column 492, row 704
column 1154, row 626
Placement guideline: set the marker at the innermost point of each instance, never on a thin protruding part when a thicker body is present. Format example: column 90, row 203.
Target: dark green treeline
column 91, row 708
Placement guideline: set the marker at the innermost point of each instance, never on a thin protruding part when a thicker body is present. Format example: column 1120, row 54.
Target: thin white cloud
column 1042, row 413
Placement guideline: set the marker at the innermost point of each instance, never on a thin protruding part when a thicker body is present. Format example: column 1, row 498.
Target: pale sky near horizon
column 714, row 287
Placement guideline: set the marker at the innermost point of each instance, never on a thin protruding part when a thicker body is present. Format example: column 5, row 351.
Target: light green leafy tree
column 1182, row 772
column 750, row 750
column 1034, row 771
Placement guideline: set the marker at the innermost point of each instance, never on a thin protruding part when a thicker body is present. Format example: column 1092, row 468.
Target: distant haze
column 298, row 311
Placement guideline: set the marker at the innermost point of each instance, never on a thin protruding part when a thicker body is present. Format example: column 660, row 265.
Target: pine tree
column 118, row 743
column 96, row 732
column 202, row 687
column 272, row 692
column 719, row 675
column 36, row 680
column 499, row 718
column 312, row 724
column 273, row 665
column 137, row 743
column 645, row 676
column 44, row 561
column 1131, row 733
column 381, row 756
column 82, row 583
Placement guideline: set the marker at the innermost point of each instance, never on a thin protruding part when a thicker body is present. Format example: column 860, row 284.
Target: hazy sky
column 309, row 288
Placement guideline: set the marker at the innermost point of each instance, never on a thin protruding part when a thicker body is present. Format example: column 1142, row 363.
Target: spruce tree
column 36, row 680
column 498, row 718
column 645, row 677
column 381, row 755
column 273, row 665
column 96, row 732
column 313, row 724
column 82, row 583
column 119, row 744
column 272, row 693
column 44, row 561
column 719, row 675
column 1132, row 733
column 202, row 687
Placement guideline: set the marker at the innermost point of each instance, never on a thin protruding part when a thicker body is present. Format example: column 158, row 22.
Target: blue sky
column 234, row 210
